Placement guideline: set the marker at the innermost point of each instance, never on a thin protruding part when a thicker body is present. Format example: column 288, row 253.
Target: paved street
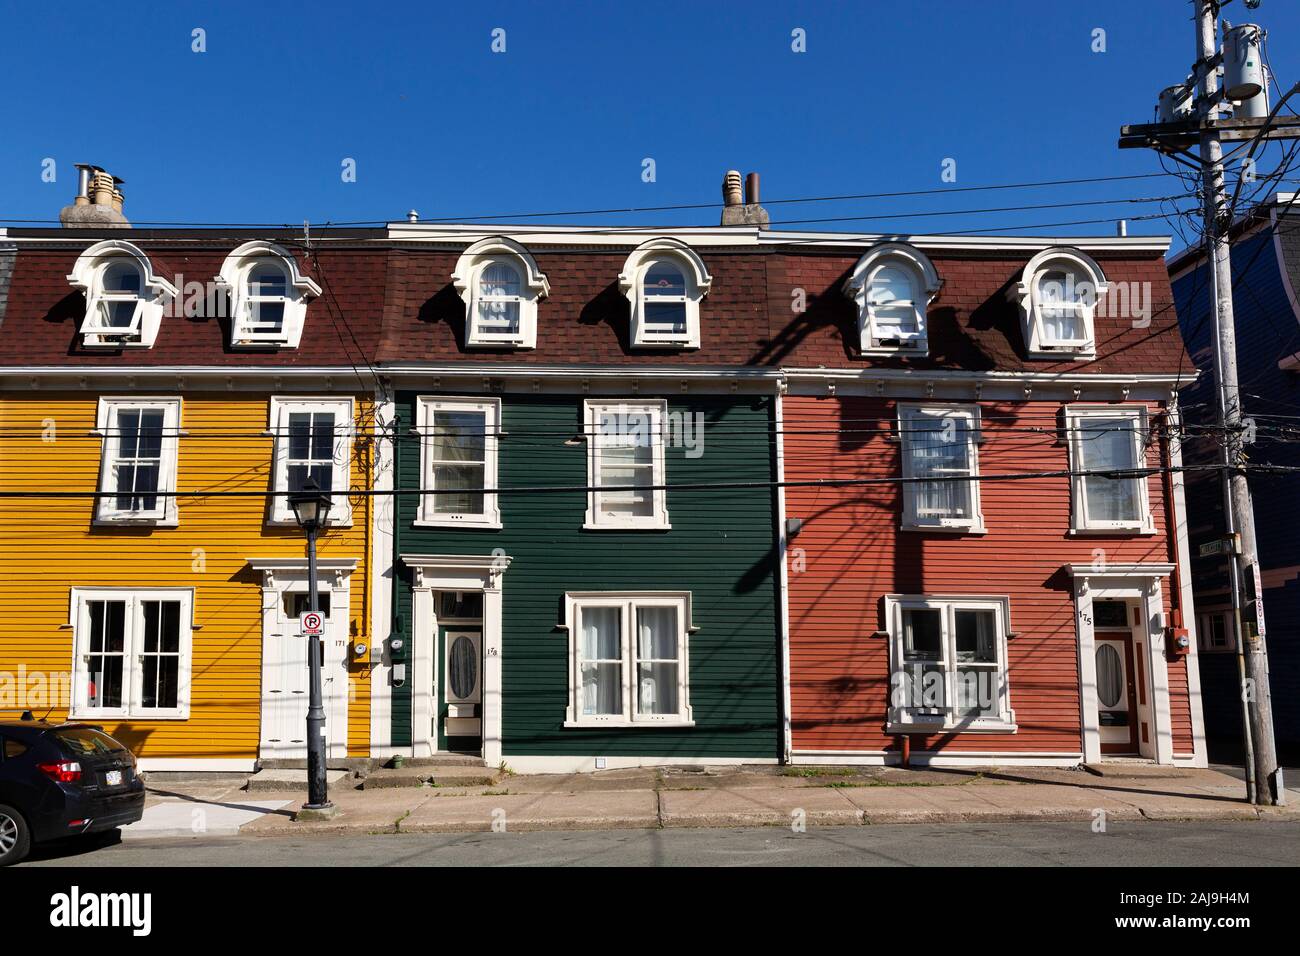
column 1019, row 844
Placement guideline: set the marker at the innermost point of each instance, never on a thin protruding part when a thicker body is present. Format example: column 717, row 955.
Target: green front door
column 460, row 688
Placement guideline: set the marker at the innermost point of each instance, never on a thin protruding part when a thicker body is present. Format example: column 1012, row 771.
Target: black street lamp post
column 311, row 507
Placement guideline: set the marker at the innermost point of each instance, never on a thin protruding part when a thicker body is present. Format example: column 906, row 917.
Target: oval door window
column 462, row 667
column 1110, row 675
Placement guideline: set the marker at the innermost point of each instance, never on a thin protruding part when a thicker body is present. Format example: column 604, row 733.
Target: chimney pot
column 751, row 189
column 731, row 193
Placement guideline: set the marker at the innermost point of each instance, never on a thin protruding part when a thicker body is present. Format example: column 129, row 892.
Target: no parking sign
column 313, row 624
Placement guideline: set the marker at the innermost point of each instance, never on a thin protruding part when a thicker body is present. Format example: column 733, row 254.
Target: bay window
column 948, row 663
column 628, row 658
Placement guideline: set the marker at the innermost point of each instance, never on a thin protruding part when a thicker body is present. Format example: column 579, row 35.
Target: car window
column 12, row 748
column 82, row 741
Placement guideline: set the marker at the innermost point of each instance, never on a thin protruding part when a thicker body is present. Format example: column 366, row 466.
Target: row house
column 1266, row 273
column 603, row 497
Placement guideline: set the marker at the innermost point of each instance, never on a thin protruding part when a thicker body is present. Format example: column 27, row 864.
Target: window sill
column 90, row 716
column 292, row 522
column 589, row 526
column 514, row 345
column 1133, row 531
column 887, row 350
column 683, row 344
column 625, row 724
column 1073, row 355
column 989, row 726
column 972, row 529
column 136, row 523
column 475, row 525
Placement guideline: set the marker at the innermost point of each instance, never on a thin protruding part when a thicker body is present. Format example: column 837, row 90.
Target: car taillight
column 68, row 771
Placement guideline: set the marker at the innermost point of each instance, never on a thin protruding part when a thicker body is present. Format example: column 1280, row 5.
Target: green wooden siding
column 721, row 548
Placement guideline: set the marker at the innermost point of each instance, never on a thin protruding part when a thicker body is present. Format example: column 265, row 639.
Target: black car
column 60, row 780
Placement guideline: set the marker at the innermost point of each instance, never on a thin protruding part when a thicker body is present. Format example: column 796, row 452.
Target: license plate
column 113, row 778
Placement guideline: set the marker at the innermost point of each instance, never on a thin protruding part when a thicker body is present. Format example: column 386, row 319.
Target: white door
column 285, row 679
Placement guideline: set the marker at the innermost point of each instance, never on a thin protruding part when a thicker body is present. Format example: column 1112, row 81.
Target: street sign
column 313, row 624
column 1231, row 544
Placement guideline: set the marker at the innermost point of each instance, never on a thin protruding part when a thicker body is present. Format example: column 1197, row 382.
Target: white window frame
column 425, row 409
column 133, row 649
column 627, row 602
column 970, row 414
column 234, row 278
column 904, row 718
column 631, row 282
column 1081, row 522
column 340, row 515
column 155, row 294
column 1205, row 631
column 1085, row 270
column 859, row 285
column 533, row 288
column 656, row 413
column 165, row 514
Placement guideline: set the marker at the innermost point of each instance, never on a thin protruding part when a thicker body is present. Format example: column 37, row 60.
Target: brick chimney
column 738, row 211
column 98, row 203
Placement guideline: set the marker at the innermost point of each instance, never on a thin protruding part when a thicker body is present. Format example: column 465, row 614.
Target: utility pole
column 1204, row 128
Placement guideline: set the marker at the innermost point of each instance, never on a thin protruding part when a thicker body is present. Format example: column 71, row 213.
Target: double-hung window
column 458, row 442
column 1110, row 440
column 1059, row 290
column 939, row 457
column 313, row 440
column 625, row 465
column 131, row 653
column 628, row 658
column 949, row 663
column 139, row 461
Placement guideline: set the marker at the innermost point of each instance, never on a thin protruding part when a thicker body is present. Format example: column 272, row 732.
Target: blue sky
column 256, row 128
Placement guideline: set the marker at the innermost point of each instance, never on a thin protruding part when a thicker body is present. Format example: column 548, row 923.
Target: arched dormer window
column 1058, row 293
column 664, row 281
column 500, row 283
column 893, row 285
column 268, row 296
column 125, row 299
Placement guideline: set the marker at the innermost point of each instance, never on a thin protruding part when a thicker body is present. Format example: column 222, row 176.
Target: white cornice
column 542, row 236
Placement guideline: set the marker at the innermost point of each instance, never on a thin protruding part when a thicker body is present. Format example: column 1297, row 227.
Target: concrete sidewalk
column 781, row 796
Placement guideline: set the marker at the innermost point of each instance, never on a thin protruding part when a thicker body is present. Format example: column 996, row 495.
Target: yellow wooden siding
column 50, row 546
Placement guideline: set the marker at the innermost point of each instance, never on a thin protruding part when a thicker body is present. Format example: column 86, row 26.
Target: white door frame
column 1123, row 581
column 284, row 576
column 455, row 572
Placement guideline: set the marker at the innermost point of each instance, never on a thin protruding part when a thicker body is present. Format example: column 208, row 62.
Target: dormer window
column 893, row 285
column 664, row 281
column 268, row 296
column 500, row 284
column 124, row 298
column 1058, row 294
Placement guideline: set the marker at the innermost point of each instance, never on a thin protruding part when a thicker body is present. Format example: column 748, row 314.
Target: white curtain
column 936, row 450
column 601, row 656
column 657, row 660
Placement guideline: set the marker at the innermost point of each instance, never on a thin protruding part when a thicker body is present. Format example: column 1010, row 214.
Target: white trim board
column 197, row 764
column 929, row 758
column 578, row 764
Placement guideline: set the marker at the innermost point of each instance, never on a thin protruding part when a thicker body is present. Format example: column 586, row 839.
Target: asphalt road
column 1037, row 844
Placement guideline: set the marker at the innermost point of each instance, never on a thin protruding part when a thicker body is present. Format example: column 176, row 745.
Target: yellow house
column 172, row 621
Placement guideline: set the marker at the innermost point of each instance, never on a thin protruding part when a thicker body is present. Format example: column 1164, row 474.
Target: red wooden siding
column 852, row 553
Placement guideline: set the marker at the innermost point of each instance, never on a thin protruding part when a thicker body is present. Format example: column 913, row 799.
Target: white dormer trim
column 858, row 288
column 1038, row 343
column 534, row 287
column 155, row 293
column 233, row 277
column 631, row 284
